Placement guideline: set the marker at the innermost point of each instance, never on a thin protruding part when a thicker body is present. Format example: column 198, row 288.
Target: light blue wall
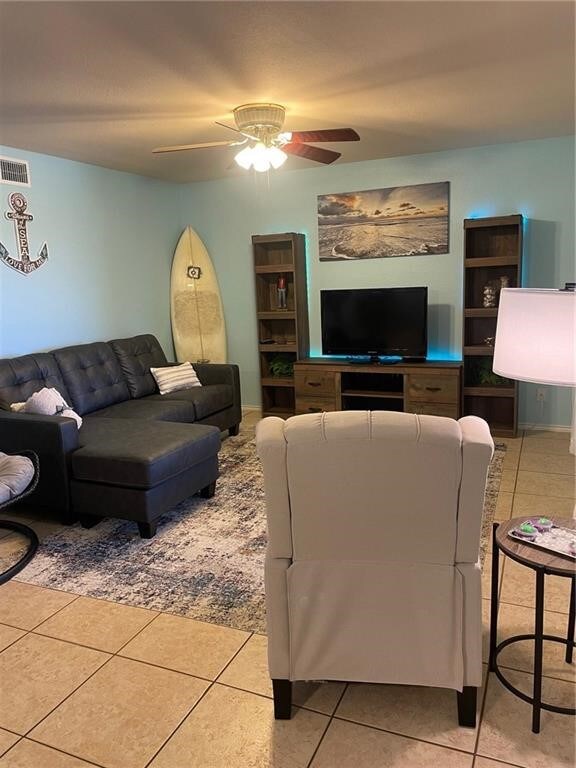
column 534, row 178
column 110, row 239
column 111, row 236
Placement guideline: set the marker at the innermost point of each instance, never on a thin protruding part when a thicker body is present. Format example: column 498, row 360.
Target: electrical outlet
column 540, row 394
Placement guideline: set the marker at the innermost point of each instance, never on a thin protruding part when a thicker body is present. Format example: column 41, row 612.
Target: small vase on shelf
column 489, row 295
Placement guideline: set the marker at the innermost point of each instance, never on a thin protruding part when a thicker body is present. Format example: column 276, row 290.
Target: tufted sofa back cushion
column 92, row 376
column 20, row 377
column 136, row 356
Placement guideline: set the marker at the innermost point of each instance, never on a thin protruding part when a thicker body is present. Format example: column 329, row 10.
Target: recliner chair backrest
column 374, row 486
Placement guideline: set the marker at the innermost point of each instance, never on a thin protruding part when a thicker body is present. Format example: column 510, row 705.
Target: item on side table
column 525, row 531
column 543, row 524
column 552, row 538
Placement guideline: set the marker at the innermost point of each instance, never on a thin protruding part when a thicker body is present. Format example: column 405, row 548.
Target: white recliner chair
column 372, row 571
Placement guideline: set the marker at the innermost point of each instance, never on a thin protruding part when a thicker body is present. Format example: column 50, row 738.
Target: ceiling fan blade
column 332, row 134
column 180, row 147
column 231, row 128
column 317, row 154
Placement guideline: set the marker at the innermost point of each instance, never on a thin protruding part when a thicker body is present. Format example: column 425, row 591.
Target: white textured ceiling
column 105, row 82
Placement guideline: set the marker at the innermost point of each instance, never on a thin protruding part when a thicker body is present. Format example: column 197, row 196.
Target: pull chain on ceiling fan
column 265, row 145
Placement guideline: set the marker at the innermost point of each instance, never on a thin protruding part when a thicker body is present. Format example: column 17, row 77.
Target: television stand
column 329, row 384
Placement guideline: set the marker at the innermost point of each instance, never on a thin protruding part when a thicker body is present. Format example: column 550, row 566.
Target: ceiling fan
column 265, row 145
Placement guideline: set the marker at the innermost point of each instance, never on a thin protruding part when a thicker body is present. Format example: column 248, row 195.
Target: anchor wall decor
column 25, row 265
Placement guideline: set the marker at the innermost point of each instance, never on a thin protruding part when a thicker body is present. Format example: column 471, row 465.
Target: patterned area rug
column 206, row 560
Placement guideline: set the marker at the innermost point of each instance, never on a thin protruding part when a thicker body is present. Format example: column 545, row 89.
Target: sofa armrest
column 222, row 373
column 218, row 373
column 53, row 438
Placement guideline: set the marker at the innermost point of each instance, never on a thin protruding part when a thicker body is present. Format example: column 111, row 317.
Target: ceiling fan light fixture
column 261, row 158
column 244, row 158
column 277, row 157
column 259, row 118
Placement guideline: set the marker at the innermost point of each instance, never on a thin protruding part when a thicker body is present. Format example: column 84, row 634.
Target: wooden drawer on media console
column 314, row 404
column 433, row 409
column 436, row 389
column 314, row 383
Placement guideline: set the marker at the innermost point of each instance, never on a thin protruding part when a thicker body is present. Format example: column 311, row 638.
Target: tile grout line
column 31, row 629
column 91, row 675
column 328, row 724
column 26, row 632
column 544, row 677
column 481, row 715
column 61, row 751
column 405, row 736
column 111, row 656
column 201, row 697
column 18, row 740
column 531, row 607
column 178, row 726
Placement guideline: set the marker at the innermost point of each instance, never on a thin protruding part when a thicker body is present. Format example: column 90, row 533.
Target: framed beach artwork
column 384, row 223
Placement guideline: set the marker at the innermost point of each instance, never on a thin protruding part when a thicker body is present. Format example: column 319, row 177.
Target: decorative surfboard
column 196, row 311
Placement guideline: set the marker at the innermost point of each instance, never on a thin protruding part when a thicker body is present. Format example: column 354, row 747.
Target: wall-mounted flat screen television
column 377, row 322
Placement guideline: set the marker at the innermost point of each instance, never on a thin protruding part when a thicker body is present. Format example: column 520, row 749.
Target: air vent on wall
column 14, row 171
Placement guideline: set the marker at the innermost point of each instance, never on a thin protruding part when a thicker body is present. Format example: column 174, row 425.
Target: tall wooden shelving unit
column 492, row 250
column 285, row 331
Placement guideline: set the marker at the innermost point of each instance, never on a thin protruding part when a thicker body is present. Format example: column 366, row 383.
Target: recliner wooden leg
column 282, row 699
column 467, row 706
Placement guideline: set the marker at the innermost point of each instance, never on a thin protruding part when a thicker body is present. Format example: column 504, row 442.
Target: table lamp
column 536, row 338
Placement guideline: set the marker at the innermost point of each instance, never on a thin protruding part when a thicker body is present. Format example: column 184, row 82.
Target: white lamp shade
column 536, row 337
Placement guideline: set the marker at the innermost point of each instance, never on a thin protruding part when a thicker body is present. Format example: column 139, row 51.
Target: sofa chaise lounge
column 137, row 452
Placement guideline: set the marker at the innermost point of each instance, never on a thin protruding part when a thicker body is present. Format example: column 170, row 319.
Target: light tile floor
column 87, row 682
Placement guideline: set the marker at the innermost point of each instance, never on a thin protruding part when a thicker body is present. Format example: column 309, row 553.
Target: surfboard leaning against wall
column 196, row 312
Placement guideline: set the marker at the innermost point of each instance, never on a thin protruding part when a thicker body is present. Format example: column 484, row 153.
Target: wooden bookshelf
column 282, row 332
column 492, row 250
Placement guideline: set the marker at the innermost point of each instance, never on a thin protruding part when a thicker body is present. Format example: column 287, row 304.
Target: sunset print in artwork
column 379, row 223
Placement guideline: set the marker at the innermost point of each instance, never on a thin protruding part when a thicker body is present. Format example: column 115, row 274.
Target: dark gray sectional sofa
column 138, row 452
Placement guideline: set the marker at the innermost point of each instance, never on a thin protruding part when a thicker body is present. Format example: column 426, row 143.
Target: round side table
column 543, row 563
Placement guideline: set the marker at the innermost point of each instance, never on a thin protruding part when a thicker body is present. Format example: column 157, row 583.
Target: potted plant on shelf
column 281, row 366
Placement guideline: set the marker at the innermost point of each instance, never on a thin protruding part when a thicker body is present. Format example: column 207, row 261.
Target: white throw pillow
column 49, row 402
column 175, row 377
